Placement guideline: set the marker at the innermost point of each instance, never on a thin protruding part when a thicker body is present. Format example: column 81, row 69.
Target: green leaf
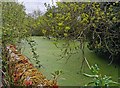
column 67, row 28
column 60, row 24
column 65, row 34
column 57, row 72
column 92, row 76
column 44, row 31
column 83, row 6
column 114, row 18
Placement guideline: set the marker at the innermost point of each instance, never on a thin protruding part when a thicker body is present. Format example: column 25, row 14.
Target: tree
column 106, row 38
column 14, row 22
column 33, row 19
column 91, row 22
column 15, row 28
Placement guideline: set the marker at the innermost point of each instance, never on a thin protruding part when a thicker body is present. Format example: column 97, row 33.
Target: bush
column 105, row 41
column 37, row 32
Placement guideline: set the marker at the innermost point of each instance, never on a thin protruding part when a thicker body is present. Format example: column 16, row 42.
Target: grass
column 49, row 55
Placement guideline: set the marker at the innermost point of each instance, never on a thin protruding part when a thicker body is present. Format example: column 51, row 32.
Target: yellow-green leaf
column 67, row 28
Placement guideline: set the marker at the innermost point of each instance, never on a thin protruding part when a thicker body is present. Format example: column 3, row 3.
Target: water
column 49, row 55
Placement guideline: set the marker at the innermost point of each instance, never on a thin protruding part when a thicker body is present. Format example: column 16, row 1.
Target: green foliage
column 17, row 25
column 15, row 28
column 32, row 44
column 96, row 23
column 13, row 31
column 98, row 79
column 104, row 38
column 56, row 74
column 34, row 23
column 92, row 22
column 14, row 22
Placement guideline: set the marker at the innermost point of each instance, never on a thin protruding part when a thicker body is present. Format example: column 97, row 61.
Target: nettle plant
column 98, row 79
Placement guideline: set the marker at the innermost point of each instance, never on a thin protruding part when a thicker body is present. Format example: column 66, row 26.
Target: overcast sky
column 32, row 5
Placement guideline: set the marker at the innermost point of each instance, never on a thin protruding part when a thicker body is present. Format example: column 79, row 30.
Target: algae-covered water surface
column 49, row 55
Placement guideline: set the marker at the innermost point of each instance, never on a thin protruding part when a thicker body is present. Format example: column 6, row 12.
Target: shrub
column 105, row 40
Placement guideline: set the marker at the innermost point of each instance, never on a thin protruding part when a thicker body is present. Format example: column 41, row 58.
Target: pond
column 49, row 55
